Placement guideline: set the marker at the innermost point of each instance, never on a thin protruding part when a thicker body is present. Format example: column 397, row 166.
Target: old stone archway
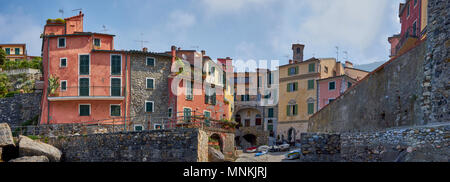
column 250, row 138
column 214, row 140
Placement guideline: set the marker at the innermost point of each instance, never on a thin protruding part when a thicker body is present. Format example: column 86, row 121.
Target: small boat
column 263, row 148
column 284, row 147
column 261, row 153
column 251, row 150
column 274, row 148
column 295, row 154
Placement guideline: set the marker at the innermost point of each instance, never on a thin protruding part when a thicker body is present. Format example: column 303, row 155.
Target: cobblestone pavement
column 269, row 157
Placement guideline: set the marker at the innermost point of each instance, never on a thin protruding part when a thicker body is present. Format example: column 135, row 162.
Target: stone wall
column 436, row 67
column 20, row 108
column 146, row 146
column 388, row 97
column 417, row 144
column 139, row 93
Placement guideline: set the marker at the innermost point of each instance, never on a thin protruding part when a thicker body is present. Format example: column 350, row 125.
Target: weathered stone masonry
column 20, row 108
column 436, row 66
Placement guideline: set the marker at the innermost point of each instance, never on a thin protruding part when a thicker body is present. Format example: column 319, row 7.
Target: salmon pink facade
column 331, row 88
column 93, row 78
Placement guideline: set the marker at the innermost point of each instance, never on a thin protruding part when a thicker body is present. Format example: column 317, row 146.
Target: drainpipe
column 125, row 91
column 48, row 75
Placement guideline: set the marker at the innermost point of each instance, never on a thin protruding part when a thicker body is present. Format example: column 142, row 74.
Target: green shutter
column 8, row 51
column 295, row 86
column 115, row 65
column 295, row 110
column 310, row 108
column 287, row 111
column 84, row 64
column 310, row 84
column 296, row 70
column 288, row 87
column 312, row 67
column 84, row 87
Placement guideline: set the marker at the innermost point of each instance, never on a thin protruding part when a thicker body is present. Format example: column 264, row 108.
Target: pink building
column 331, row 88
column 94, row 82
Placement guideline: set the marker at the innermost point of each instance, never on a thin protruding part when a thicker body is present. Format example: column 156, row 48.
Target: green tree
column 2, row 57
column 4, row 85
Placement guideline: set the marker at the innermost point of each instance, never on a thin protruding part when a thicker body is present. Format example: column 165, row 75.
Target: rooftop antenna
column 142, row 41
column 62, row 12
column 104, row 28
column 346, row 55
column 337, row 53
column 79, row 9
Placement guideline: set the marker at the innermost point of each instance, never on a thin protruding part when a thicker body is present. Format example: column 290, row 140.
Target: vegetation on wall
column 4, row 85
column 2, row 57
column 53, row 84
column 35, row 63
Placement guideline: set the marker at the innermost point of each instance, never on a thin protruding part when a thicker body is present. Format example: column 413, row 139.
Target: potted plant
column 53, row 85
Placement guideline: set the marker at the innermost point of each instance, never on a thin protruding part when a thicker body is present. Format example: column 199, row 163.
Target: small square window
column 97, row 42
column 170, row 113
column 312, row 67
column 150, row 61
column 63, row 85
column 138, row 127
column 61, row 42
column 157, row 126
column 85, row 110
column 115, row 110
column 63, row 62
column 332, row 86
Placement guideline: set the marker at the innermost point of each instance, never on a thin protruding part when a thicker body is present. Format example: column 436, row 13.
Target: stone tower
column 297, row 50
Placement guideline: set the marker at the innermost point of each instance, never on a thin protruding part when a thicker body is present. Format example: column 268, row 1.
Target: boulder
column 31, row 159
column 215, row 155
column 29, row 147
column 6, row 138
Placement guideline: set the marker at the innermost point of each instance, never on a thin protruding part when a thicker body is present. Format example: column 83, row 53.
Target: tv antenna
column 142, row 41
column 346, row 55
column 62, row 12
column 79, row 9
column 104, row 29
column 337, row 53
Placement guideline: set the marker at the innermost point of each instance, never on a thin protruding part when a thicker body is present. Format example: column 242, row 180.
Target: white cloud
column 179, row 21
column 21, row 28
column 214, row 7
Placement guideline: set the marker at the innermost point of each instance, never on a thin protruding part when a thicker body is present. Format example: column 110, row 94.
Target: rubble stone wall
column 146, row 146
column 429, row 143
column 20, row 108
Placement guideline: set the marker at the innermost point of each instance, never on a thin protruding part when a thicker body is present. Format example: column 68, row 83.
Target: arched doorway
column 250, row 138
column 216, row 142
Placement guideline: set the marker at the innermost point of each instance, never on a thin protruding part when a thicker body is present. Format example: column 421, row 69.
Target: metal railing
column 146, row 122
column 89, row 91
column 410, row 33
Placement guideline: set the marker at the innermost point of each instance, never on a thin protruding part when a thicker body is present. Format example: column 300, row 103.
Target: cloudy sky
column 241, row 29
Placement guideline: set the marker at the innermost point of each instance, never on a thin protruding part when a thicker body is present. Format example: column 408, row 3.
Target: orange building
column 93, row 78
column 16, row 52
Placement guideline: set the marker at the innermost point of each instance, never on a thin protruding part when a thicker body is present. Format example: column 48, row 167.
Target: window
column 8, row 51
column 157, row 126
column 293, row 71
column 84, row 87
column 116, row 87
column 17, row 51
column 115, row 110
column 149, row 106
column 331, row 85
column 414, row 29
column 150, row 61
column 270, row 113
column 63, row 85
column 84, row 64
column 407, row 10
column 330, row 100
column 210, row 95
column 349, row 84
column 187, row 114
column 269, row 78
column 292, row 87
column 245, row 97
column 325, row 69
column 310, row 108
column 138, row 127
column 267, row 96
column 207, row 116
column 298, row 50
column 63, row 62
column 415, row 2
column 310, row 84
column 292, row 110
column 170, row 110
column 150, row 83
column 62, row 42
column 116, row 64
column 189, row 90
column 85, row 110
column 312, row 67
column 97, row 42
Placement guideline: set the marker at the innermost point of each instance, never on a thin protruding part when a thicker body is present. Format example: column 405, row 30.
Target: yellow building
column 14, row 52
column 298, row 91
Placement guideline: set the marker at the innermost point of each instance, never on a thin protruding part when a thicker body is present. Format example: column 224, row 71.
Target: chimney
column 203, row 52
column 144, row 49
column 173, row 48
column 290, row 61
column 297, row 50
column 348, row 64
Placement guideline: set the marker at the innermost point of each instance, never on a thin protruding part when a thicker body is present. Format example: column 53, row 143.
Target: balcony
column 88, row 93
column 407, row 40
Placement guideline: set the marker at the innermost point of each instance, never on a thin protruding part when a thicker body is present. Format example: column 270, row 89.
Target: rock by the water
column 215, row 155
column 29, row 147
column 6, row 138
column 31, row 159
